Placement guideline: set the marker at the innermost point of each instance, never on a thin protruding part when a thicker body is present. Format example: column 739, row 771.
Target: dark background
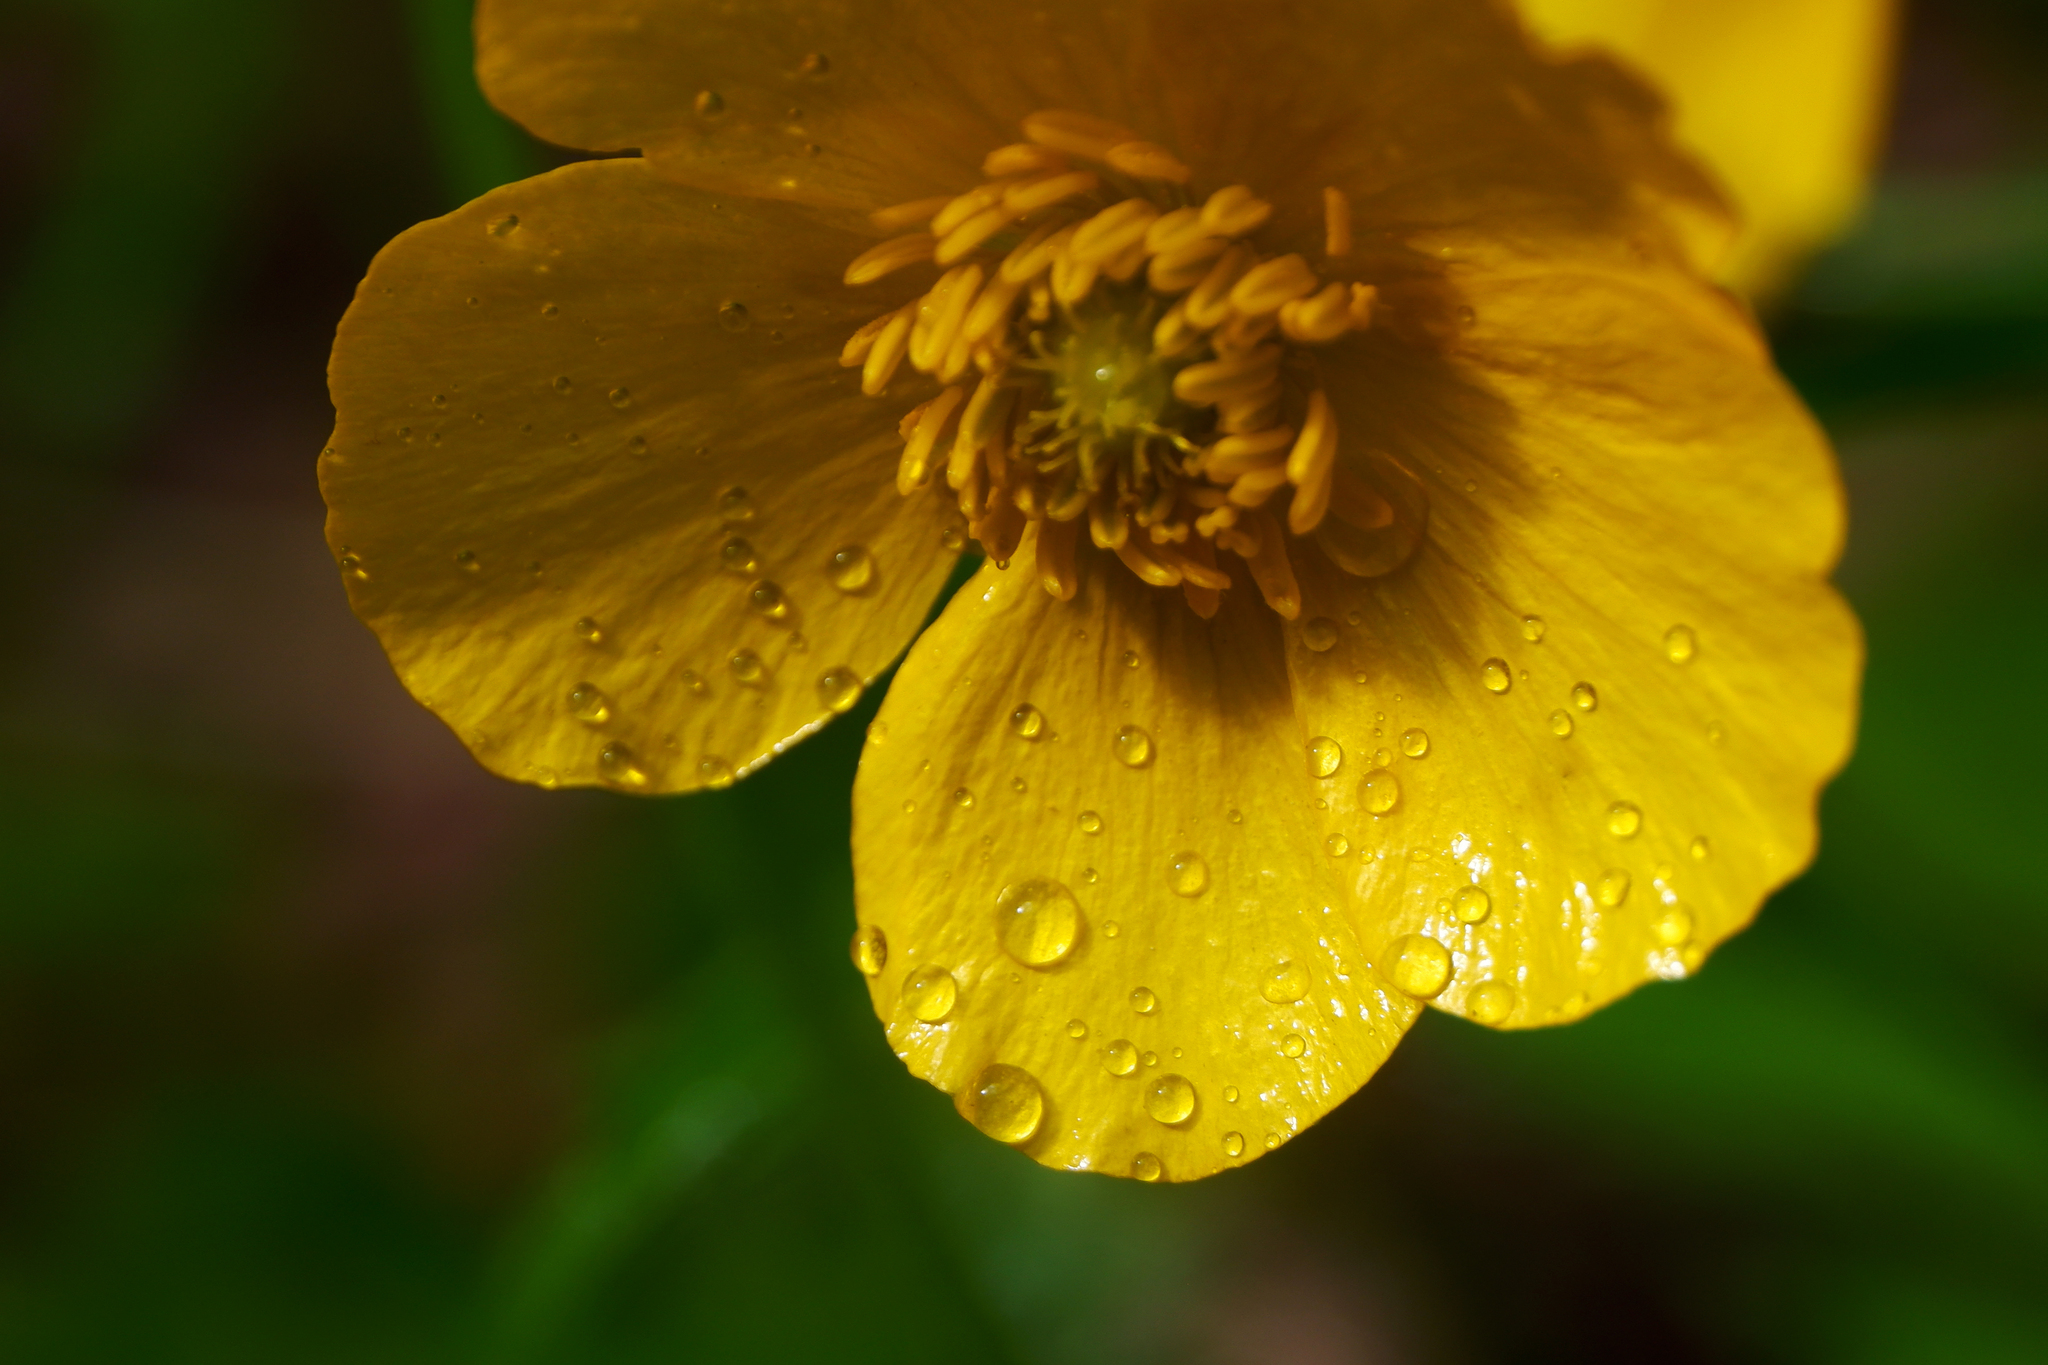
column 319, row 1044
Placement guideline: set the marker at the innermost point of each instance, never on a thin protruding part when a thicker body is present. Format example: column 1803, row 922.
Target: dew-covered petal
column 1609, row 686
column 1141, row 873
column 603, row 490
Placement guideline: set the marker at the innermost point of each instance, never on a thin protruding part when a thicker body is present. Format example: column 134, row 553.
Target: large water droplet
column 1561, row 724
column 1612, row 888
column 870, row 949
column 589, row 705
column 1380, row 792
column 733, row 316
column 1489, row 1002
column 1038, row 921
column 1533, row 628
column 1584, row 697
column 1293, row 1045
column 1319, row 633
column 1325, row 756
column 1027, row 722
column 929, row 994
column 1680, row 644
column 617, row 765
column 1133, row 747
column 1089, row 821
column 1143, row 1000
column 1120, row 1058
column 1673, row 927
column 1285, row 984
column 737, row 556
column 1147, row 1167
column 1494, row 675
column 767, row 599
column 1006, row 1103
column 1414, row 743
column 1421, row 965
column 839, row 689
column 1624, row 820
column 1187, row 874
column 746, row 666
column 851, row 568
column 1471, row 904
column 1170, row 1098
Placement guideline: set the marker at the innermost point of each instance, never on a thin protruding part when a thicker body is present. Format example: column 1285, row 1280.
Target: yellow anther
column 1336, row 223
column 1021, row 158
column 1036, row 253
column 1106, row 525
column 1208, row 303
column 1270, row 567
column 1184, row 266
column 991, row 310
column 1029, row 196
column 1364, row 298
column 1215, row 380
column 973, row 233
column 962, row 207
column 886, row 353
column 1124, row 267
column 1253, row 488
column 1242, row 333
column 1234, row 210
column 1176, row 229
column 915, row 469
column 1109, row 232
column 940, row 313
column 1323, row 316
column 1310, row 463
column 1271, row 283
column 899, row 216
column 1140, row 562
column 1000, row 532
column 1072, row 279
column 1236, row 455
column 1183, row 556
column 1148, row 161
column 1056, row 571
column 1249, row 412
column 862, row 342
column 1064, row 130
column 1173, row 333
column 887, row 257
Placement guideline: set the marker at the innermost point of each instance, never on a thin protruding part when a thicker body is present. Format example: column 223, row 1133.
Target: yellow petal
column 1604, row 694
column 1783, row 98
column 594, row 444
column 1019, row 761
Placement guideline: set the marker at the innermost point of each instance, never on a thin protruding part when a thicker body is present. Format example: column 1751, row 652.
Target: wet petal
column 1022, row 759
column 595, row 465
column 1608, row 687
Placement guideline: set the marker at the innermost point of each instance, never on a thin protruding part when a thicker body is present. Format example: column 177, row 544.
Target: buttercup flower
column 1406, row 577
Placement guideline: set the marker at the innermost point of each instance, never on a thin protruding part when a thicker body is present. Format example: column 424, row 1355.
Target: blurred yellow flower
column 1407, row 576
column 1784, row 98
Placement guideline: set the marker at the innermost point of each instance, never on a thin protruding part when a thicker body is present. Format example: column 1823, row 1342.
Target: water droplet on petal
column 851, row 568
column 1143, row 1000
column 1146, row 1167
column 709, row 104
column 1701, row 849
column 839, row 689
column 1187, row 874
column 1293, row 1045
column 621, row 398
column 1110, row 928
column 746, row 665
column 733, row 316
column 954, row 536
column 1286, row 984
column 735, row 506
column 504, row 227
column 737, row 556
column 870, row 949
column 1319, row 633
column 1038, row 921
column 1612, row 888
column 589, row 705
column 1717, row 734
column 1533, row 628
column 1089, row 821
column 1120, row 1058
column 1006, row 1103
column 1336, row 845
column 767, row 600
column 1414, row 743
column 1673, row 927
column 1471, row 905
column 1325, row 756
column 1680, row 644
column 563, row 383
column 714, row 773
column 1230, row 1094
column 1490, row 1002
column 588, row 629
column 1233, row 1145
column 963, row 798
column 617, row 765
column 1133, row 747
column 1131, row 658
column 1027, row 722
column 1624, row 820
column 1170, row 1098
column 1076, row 1029
column 466, row 561
column 1421, row 965
column 929, row 994
column 1380, row 792
column 1584, row 697
column 1494, row 675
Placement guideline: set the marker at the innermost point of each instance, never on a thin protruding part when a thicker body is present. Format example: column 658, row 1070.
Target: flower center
column 1138, row 367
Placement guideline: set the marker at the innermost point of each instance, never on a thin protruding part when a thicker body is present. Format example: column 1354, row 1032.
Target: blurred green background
column 318, row 1044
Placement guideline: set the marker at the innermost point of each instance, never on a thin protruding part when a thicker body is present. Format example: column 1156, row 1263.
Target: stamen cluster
column 1138, row 366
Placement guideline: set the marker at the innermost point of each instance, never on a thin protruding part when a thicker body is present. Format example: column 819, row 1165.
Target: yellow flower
column 1784, row 99
column 1406, row 580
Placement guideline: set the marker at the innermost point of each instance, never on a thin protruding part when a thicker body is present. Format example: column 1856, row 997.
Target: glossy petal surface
column 546, row 403
column 1205, row 964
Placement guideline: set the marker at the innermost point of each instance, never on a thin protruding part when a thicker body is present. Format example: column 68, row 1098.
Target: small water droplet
column 1466, row 317
column 1234, row 815
column 1143, row 1000
column 1233, row 1145
column 1120, row 1058
column 963, row 798
column 767, row 599
column 1624, row 820
column 617, row 765
column 589, row 705
column 851, row 568
column 929, row 994
column 1471, row 904
column 1230, row 1094
column 1414, row 743
column 1038, row 921
column 1495, row 677
column 1293, row 1045
column 1285, row 984
column 870, row 950
column 506, row 226
column 1130, row 658
column 1006, row 1103
column 466, row 561
column 1017, row 784
column 954, row 536
column 709, row 104
column 1319, row 633
column 1612, row 888
column 1421, row 965
column 1027, row 722
column 1680, row 644
column 1490, row 1002
column 563, row 384
column 714, row 773
column 1674, row 927
column 691, row 681
column 1533, row 628
column 1089, row 821
column 588, row 629
column 1272, row 1142
column 737, row 556
column 1170, row 1098
column 1584, row 697
column 1380, row 792
column 638, row 445
column 1110, row 928
column 733, row 316
column 909, row 807
column 1146, row 1167
column 735, row 506
column 1187, row 874
column 1076, row 1029
column 1561, row 724
column 746, row 666
column 1717, row 735
column 1325, row 756
column 1133, row 747
column 1700, row 849
column 1336, row 845
column 839, row 689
